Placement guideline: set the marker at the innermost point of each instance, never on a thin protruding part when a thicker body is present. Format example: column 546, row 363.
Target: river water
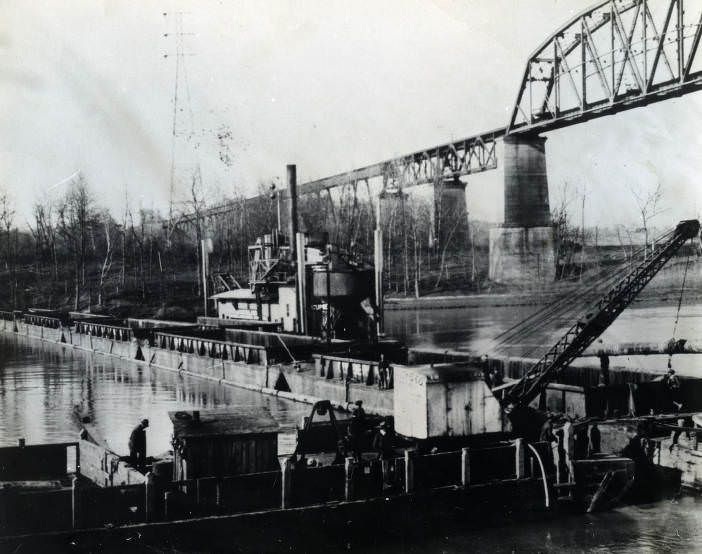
column 472, row 330
column 41, row 384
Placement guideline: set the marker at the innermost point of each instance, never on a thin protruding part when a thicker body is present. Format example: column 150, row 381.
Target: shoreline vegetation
column 77, row 255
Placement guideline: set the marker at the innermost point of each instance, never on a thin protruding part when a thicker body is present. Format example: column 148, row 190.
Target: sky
column 88, row 86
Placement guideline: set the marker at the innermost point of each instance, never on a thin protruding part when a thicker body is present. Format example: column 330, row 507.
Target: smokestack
column 292, row 193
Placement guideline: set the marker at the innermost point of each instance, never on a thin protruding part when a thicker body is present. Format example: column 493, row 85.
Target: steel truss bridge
column 614, row 56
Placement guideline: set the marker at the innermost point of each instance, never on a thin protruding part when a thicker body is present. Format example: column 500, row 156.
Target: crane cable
column 677, row 314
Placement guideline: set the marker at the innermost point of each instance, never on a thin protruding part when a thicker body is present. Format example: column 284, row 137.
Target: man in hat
column 137, row 445
column 383, row 447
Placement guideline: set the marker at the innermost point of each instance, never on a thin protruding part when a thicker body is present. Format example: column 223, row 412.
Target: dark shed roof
column 222, row 422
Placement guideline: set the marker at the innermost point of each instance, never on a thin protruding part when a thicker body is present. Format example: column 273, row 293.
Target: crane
column 517, row 396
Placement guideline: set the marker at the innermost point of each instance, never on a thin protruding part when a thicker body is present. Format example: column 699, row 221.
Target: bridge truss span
column 463, row 157
column 617, row 55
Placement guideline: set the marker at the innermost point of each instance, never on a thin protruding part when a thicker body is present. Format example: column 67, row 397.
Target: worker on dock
column 137, row 445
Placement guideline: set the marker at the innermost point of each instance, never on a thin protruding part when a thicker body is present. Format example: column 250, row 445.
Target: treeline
column 78, row 254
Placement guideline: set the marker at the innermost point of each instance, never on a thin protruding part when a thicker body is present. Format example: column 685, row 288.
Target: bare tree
column 7, row 218
column 648, row 204
column 198, row 206
column 109, row 228
column 74, row 214
column 44, row 233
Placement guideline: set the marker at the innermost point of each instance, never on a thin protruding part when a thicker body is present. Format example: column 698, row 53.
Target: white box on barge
column 449, row 400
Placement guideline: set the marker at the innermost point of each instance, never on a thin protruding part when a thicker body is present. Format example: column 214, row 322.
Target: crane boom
column 583, row 333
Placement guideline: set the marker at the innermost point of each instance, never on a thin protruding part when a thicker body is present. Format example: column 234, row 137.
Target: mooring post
column 409, row 471
column 348, row 473
column 465, row 467
column 75, row 503
column 286, row 486
column 150, row 498
column 519, row 458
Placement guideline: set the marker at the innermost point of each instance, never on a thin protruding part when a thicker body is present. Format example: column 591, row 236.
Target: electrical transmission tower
column 185, row 172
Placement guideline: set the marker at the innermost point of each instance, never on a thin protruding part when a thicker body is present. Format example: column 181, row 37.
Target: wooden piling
column 465, row 467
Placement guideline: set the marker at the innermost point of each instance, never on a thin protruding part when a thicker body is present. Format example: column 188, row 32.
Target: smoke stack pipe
column 292, row 193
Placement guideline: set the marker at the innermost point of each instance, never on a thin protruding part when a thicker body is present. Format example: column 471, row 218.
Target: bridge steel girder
column 454, row 159
column 614, row 56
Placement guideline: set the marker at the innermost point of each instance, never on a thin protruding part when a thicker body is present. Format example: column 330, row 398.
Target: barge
column 462, row 440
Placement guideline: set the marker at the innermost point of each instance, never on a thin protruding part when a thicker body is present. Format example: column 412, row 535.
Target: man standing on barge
column 137, row 445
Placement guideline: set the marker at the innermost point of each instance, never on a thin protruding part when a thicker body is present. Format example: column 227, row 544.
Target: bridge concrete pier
column 450, row 209
column 522, row 250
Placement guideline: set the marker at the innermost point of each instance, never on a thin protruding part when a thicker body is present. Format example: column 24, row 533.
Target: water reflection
column 472, row 329
column 40, row 385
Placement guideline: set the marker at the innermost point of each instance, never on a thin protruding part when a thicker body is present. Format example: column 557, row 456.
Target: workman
column 558, row 456
column 604, row 368
column 382, row 445
column 485, row 362
column 356, row 430
column 569, row 448
column 634, row 449
column 358, row 412
column 341, row 453
column 546, row 432
column 137, row 445
column 672, row 385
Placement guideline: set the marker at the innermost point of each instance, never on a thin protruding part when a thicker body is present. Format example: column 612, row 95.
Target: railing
column 353, row 370
column 7, row 316
column 235, row 352
column 111, row 332
column 42, row 321
column 90, row 506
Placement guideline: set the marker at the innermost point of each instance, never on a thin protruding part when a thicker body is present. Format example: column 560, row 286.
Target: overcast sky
column 84, row 85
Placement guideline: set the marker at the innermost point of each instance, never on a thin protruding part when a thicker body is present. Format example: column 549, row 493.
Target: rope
column 677, row 314
column 565, row 308
column 286, row 348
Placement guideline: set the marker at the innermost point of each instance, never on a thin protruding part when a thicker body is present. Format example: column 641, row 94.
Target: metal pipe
column 301, row 284
column 378, row 263
column 205, row 268
column 292, row 205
